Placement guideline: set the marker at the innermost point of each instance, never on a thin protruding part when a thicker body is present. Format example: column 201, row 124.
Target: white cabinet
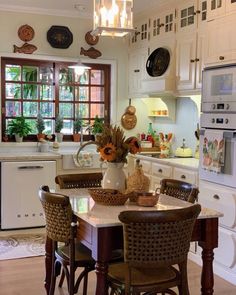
column 159, row 171
column 219, row 8
column 222, row 199
column 185, row 175
column 20, row 182
column 221, row 41
column 137, row 71
column 141, row 36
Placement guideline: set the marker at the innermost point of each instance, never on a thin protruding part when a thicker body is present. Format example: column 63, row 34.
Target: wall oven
column 219, row 89
column 218, row 126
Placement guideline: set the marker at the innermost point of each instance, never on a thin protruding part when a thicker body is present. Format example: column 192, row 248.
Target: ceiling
column 73, row 8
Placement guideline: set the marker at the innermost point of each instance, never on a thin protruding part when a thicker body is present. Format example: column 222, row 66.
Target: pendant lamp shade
column 113, row 17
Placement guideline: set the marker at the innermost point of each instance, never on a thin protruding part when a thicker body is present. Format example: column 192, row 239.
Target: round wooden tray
column 26, row 33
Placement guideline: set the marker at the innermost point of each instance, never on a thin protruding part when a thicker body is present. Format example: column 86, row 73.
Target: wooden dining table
column 101, row 231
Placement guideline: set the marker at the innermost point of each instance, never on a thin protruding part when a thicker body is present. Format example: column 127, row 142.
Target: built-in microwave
column 219, row 89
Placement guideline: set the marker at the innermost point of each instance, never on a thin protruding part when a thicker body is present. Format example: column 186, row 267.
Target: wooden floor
column 25, row 277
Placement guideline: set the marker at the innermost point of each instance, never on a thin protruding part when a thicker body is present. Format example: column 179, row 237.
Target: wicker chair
column 79, row 180
column 61, row 227
column 154, row 241
column 179, row 189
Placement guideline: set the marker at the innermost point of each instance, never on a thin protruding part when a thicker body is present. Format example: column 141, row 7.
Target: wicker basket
column 109, row 197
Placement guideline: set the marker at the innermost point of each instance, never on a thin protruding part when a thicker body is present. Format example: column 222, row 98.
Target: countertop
column 28, row 156
column 190, row 163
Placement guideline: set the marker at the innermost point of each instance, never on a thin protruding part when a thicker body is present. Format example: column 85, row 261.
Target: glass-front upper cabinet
column 218, row 8
column 191, row 15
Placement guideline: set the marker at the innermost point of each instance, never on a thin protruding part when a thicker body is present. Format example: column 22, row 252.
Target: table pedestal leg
column 101, row 269
column 207, row 277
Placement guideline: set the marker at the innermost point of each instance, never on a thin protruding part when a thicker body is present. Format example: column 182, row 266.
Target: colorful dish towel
column 85, row 159
column 213, row 150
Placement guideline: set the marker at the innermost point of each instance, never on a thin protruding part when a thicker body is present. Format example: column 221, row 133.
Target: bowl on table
column 147, row 199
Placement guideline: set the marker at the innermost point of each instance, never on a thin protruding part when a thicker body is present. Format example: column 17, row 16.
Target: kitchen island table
column 101, row 231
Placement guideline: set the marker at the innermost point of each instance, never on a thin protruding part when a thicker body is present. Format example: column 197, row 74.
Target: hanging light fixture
column 113, row 17
column 79, row 68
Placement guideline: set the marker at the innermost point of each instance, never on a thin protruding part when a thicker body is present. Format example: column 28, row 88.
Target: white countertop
column 29, row 156
column 100, row 215
column 191, row 163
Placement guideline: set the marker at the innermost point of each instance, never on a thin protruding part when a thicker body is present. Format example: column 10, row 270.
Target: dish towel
column 213, row 150
column 85, row 159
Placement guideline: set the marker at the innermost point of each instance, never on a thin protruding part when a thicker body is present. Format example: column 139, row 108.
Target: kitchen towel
column 213, row 150
column 84, row 159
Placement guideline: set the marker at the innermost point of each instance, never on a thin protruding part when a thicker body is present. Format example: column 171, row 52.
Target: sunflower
column 108, row 152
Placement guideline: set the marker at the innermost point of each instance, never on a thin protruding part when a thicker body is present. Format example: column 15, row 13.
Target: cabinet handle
column 197, row 12
column 30, row 167
column 136, row 71
column 160, row 25
column 160, row 170
column 221, row 57
column 192, row 60
column 216, row 197
column 197, row 59
column 183, row 176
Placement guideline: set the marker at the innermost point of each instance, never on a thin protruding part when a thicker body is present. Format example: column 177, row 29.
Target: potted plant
column 97, row 126
column 40, row 125
column 19, row 127
column 77, row 129
column 58, row 128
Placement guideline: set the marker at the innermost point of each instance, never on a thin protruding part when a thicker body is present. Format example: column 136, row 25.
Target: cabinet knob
column 160, row 170
column 183, row 176
column 221, row 57
column 216, row 197
column 197, row 12
column 160, row 25
column 192, row 60
column 136, row 71
column 197, row 59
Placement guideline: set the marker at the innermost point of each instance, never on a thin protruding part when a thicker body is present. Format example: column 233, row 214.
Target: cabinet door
column 185, row 175
column 215, row 8
column 221, row 41
column 200, row 58
column 185, row 58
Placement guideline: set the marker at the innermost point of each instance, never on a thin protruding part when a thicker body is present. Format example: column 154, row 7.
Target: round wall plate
column 128, row 121
column 26, row 33
column 158, row 62
column 59, row 37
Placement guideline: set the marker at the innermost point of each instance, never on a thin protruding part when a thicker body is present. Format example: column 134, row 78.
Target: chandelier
column 113, row 17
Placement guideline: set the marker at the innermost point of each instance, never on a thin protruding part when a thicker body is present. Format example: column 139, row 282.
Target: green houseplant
column 58, row 128
column 40, row 125
column 77, row 129
column 19, row 127
column 97, row 126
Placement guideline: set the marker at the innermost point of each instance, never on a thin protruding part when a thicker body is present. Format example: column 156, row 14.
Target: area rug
column 21, row 246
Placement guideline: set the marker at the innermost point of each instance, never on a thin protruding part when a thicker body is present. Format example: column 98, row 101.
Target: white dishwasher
column 20, row 182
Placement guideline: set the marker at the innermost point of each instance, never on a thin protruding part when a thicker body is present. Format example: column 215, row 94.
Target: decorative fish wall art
column 91, row 52
column 25, row 48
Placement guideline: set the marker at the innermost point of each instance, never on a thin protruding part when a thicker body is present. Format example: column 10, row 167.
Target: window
column 30, row 87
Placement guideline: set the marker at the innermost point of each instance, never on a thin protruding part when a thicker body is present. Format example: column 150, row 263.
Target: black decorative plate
column 59, row 37
column 158, row 62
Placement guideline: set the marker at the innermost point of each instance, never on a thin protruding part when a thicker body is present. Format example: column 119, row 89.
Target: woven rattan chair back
column 179, row 189
column 58, row 214
column 86, row 180
column 158, row 238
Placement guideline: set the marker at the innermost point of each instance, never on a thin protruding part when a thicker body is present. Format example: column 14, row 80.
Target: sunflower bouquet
column 114, row 147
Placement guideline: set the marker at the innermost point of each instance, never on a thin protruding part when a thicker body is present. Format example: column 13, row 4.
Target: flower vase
column 114, row 177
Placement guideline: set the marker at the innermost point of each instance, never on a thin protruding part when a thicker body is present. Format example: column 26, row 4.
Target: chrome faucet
column 81, row 136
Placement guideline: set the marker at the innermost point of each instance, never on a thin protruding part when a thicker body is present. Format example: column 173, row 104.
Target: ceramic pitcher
column 114, row 177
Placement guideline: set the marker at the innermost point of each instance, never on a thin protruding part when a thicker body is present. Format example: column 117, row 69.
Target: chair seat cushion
column 82, row 254
column 141, row 276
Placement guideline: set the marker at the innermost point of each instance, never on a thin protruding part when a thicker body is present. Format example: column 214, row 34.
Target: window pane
column 97, row 93
column 66, row 93
column 48, row 126
column 13, row 109
column 46, row 74
column 97, row 109
column 66, row 110
column 67, row 127
column 82, row 110
column 191, row 10
column 82, row 79
column 47, row 109
column 13, row 91
column 82, row 93
column 183, row 13
column 97, row 77
column 30, row 109
column 47, row 92
column 65, row 76
column 30, row 74
column 30, row 91
column 12, row 72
